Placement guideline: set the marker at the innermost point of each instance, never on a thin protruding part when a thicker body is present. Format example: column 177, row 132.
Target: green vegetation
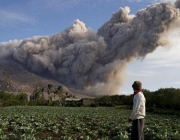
column 11, row 99
column 80, row 123
column 21, row 121
column 167, row 99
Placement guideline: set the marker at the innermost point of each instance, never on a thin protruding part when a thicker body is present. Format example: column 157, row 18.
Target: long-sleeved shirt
column 139, row 109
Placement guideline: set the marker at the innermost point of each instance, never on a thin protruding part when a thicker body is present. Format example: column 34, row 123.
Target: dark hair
column 137, row 85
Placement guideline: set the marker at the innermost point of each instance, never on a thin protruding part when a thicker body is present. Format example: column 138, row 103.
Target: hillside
column 23, row 80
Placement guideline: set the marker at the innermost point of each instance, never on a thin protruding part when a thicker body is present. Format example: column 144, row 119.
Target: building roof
column 72, row 99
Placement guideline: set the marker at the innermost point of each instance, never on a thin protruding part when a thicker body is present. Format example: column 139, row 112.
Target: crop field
column 80, row 123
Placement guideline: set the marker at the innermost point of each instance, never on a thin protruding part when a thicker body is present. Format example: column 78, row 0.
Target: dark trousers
column 137, row 130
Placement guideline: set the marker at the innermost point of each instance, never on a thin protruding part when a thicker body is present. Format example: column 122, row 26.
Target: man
column 138, row 112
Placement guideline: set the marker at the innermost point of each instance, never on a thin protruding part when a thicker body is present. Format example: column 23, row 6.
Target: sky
column 22, row 19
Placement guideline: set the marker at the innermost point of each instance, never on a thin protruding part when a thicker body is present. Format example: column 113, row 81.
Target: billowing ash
column 95, row 62
column 177, row 4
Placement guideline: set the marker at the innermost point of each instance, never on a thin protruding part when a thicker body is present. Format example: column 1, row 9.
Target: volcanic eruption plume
column 95, row 62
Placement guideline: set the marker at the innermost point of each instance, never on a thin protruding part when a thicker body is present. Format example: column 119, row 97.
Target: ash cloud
column 95, row 63
column 177, row 4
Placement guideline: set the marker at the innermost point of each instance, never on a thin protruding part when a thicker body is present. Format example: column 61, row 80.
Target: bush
column 10, row 99
column 94, row 105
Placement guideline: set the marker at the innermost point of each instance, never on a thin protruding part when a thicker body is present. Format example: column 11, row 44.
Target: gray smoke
column 177, row 4
column 95, row 63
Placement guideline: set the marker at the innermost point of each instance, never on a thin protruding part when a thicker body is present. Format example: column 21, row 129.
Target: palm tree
column 66, row 94
column 59, row 92
column 49, row 87
column 55, row 92
column 42, row 92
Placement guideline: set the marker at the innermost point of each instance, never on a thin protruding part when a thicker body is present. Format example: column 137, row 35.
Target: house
column 87, row 101
column 73, row 102
column 78, row 102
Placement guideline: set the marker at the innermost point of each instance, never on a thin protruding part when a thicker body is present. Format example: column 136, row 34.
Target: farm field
column 80, row 123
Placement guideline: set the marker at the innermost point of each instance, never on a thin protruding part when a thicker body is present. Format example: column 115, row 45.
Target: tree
column 59, row 91
column 49, row 87
column 66, row 94
column 42, row 92
column 35, row 95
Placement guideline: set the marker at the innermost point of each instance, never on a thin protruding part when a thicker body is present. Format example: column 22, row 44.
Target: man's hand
column 130, row 120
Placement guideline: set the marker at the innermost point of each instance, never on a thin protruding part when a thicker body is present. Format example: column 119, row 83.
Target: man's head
column 137, row 85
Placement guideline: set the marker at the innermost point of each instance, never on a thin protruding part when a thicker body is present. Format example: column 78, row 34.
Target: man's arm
column 136, row 105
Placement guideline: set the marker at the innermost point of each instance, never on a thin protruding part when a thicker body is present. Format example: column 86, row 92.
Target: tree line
column 163, row 98
column 50, row 96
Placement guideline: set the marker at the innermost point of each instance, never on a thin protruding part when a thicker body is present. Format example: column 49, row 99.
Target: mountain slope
column 23, row 80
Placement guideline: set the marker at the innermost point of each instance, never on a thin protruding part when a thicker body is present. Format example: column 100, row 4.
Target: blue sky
column 26, row 18
column 22, row 19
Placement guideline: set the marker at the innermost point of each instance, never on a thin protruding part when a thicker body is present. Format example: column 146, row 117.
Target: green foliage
column 114, row 100
column 167, row 98
column 10, row 99
column 37, row 98
column 59, row 91
column 81, row 123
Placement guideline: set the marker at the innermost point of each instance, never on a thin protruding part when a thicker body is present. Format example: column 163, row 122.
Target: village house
column 78, row 102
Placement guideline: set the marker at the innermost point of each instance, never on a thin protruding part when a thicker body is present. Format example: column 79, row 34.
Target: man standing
column 138, row 112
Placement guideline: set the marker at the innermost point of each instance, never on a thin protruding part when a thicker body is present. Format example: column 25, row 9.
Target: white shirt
column 139, row 109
